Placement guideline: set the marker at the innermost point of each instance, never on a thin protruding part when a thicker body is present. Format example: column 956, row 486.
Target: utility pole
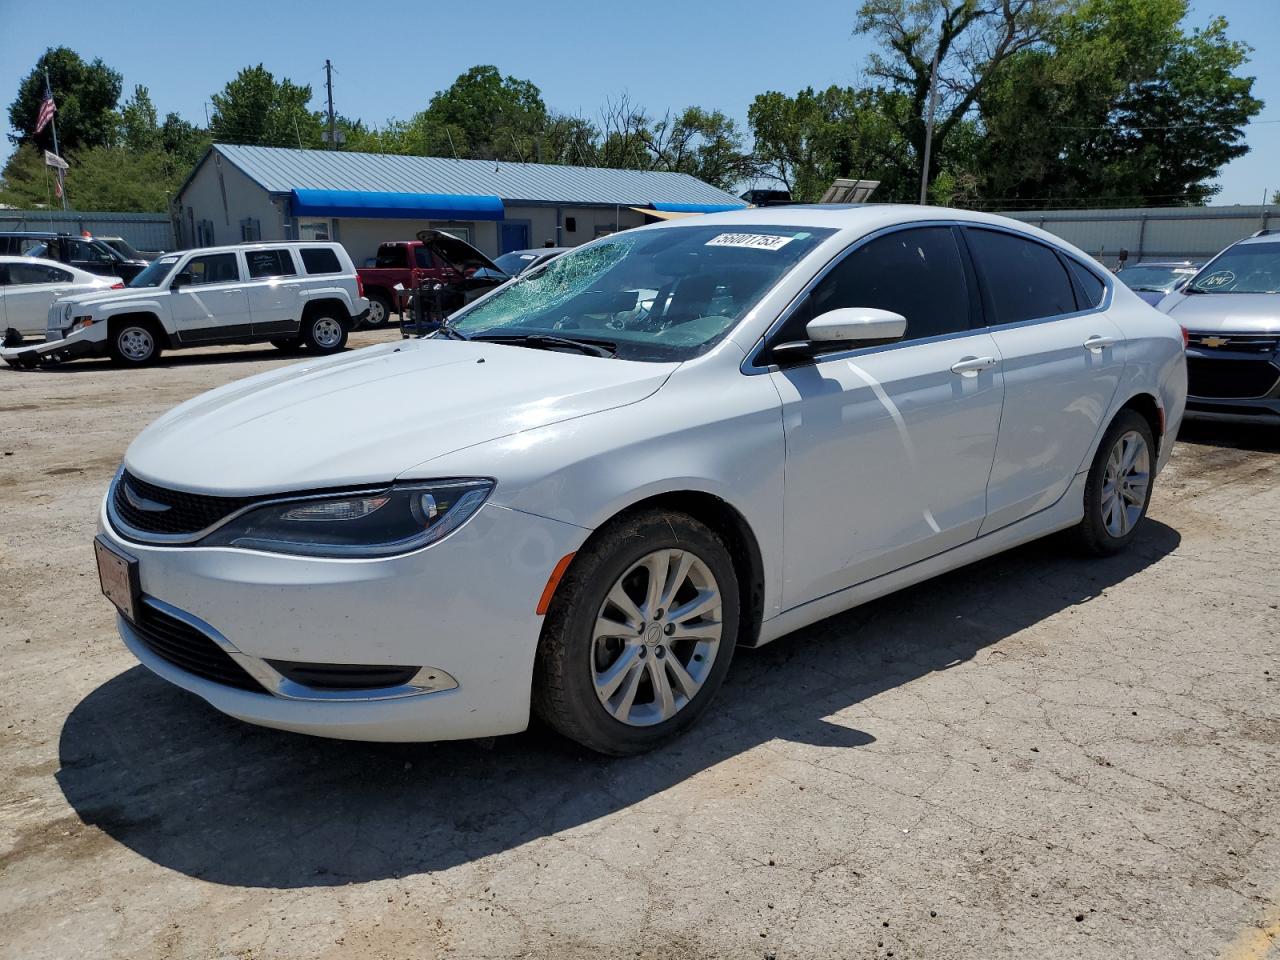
column 928, row 131
column 328, row 82
column 53, row 122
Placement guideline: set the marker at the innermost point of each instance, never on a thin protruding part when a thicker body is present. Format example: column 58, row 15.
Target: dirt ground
column 1038, row 756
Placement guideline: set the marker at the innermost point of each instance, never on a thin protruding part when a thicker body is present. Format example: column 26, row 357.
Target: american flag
column 47, row 109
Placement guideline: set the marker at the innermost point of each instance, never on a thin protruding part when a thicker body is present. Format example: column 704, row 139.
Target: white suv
column 290, row 294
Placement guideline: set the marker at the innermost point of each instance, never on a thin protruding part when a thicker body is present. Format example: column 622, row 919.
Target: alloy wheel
column 136, row 343
column 1125, row 481
column 656, row 637
column 377, row 315
column 327, row 332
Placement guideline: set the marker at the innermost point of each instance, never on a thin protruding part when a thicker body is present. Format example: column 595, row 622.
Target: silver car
column 1231, row 311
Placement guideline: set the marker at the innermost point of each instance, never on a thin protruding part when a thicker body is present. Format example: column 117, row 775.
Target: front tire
column 134, row 344
column 324, row 332
column 640, row 634
column 1118, row 491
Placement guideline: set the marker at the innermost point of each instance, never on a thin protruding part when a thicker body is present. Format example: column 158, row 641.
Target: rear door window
column 26, row 273
column 269, row 263
column 1025, row 280
column 320, row 260
column 1091, row 286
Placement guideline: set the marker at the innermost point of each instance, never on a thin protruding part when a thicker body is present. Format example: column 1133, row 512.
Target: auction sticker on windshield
column 753, row 241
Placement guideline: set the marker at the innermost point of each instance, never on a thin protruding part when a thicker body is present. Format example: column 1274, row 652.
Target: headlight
column 379, row 523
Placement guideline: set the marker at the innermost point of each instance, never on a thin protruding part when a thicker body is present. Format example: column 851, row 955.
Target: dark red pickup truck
column 433, row 257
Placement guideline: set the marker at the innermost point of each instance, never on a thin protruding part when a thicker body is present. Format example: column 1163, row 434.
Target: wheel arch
column 325, row 304
column 730, row 524
column 1149, row 408
column 141, row 317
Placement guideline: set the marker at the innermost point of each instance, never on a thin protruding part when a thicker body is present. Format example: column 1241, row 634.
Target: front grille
column 1230, row 379
column 189, row 649
column 1262, row 343
column 172, row 512
column 344, row 676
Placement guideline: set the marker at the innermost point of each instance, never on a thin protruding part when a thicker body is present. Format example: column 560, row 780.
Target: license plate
column 118, row 574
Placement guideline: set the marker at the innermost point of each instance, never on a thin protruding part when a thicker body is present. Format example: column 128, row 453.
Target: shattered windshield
column 660, row 295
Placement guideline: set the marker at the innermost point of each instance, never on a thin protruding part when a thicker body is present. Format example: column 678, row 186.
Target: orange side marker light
column 553, row 581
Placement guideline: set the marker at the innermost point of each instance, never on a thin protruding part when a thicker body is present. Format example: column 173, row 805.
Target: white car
column 655, row 448
column 30, row 285
column 290, row 294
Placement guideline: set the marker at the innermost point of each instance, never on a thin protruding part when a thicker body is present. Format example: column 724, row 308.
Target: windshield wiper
column 544, row 341
column 450, row 331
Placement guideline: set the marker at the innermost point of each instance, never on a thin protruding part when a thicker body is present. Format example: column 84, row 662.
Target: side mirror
column 856, row 323
column 850, row 325
column 183, row 279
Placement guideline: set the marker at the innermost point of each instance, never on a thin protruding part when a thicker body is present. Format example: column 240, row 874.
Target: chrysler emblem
column 142, row 503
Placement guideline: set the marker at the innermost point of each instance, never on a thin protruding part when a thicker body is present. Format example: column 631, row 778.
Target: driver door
column 888, row 447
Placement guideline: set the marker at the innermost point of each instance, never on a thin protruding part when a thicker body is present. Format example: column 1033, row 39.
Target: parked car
column 297, row 294
column 609, row 474
column 127, row 250
column 1153, row 280
column 517, row 262
column 84, row 253
column 1231, row 310
column 28, row 286
column 434, row 257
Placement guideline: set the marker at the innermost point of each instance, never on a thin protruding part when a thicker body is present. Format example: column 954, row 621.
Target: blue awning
column 697, row 207
column 380, row 205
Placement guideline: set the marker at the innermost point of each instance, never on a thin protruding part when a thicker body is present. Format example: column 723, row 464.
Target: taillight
column 1186, row 336
column 359, row 286
column 117, row 286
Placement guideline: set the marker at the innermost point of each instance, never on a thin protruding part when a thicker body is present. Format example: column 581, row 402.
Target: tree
column 804, row 142
column 254, row 109
column 972, row 39
column 484, row 115
column 1125, row 105
column 183, row 142
column 85, row 93
column 139, row 129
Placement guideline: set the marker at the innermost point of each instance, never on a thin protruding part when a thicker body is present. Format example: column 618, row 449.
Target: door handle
column 1098, row 344
column 972, row 366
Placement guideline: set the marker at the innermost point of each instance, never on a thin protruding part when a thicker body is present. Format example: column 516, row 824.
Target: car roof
column 1264, row 239
column 43, row 262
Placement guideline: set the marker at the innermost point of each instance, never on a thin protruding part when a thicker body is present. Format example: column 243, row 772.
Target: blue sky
column 663, row 54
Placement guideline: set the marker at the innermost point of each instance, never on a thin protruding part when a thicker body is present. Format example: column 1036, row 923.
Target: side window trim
column 1064, row 259
column 757, row 362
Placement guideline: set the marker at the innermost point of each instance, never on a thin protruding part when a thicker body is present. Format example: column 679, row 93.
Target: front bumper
column 30, row 356
column 1235, row 383
column 464, row 606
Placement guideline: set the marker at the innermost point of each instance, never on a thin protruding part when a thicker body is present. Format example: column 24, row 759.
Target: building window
column 250, row 230
column 204, row 234
column 314, row 230
column 571, row 224
column 460, row 230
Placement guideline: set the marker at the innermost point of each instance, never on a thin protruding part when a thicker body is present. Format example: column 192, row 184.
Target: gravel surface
column 1038, row 756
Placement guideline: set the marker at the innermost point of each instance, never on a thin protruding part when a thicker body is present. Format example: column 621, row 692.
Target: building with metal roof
column 239, row 193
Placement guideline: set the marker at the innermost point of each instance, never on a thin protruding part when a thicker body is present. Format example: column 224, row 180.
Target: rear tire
column 667, row 584
column 324, row 332
column 1118, row 491
column 133, row 343
column 379, row 311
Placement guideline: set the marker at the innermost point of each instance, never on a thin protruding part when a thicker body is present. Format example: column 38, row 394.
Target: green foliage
column 139, row 126
column 1126, row 106
column 85, row 93
column 484, row 115
column 257, row 110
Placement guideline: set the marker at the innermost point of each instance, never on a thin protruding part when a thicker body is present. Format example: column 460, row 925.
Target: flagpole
column 53, row 121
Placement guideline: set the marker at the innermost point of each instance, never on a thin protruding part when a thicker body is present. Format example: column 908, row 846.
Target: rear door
column 888, row 446
column 1062, row 358
column 29, row 292
column 274, row 290
column 213, row 307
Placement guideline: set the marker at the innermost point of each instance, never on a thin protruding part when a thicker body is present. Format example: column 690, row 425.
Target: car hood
column 368, row 416
column 1224, row 312
column 456, row 251
column 105, row 293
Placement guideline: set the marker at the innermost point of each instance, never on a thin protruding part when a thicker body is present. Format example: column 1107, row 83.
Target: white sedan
column 30, row 285
column 604, row 477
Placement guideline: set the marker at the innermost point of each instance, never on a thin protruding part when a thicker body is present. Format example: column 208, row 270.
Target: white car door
column 208, row 301
column 273, row 288
column 1062, row 358
column 889, row 446
column 30, row 290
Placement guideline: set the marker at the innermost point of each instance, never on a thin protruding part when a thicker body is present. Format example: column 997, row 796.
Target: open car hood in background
column 458, row 253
